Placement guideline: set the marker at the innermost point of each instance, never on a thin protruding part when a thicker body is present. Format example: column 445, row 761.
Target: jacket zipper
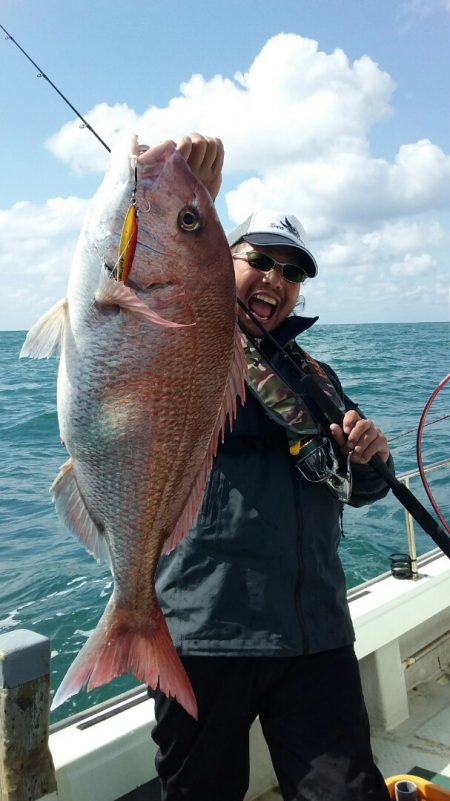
column 301, row 561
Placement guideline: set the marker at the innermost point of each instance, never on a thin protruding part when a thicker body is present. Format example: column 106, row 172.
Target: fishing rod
column 425, row 425
column 311, row 392
column 41, row 74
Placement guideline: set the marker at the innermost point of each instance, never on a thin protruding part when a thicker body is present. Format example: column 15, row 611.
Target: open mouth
column 263, row 306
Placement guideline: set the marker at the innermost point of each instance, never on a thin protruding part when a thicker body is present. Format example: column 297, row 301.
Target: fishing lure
column 128, row 237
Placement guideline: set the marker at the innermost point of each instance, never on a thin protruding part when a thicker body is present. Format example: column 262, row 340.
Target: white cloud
column 310, row 102
column 412, row 265
column 301, row 127
column 383, row 244
column 350, row 187
column 411, row 14
column 36, row 247
column 422, row 8
column 297, row 122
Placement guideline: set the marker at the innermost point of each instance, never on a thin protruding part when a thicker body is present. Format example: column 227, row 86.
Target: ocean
column 50, row 585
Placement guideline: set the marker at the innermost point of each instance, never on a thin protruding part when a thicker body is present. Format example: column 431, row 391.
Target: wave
column 31, row 423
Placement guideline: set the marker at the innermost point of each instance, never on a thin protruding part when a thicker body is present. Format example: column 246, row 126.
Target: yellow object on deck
column 425, row 789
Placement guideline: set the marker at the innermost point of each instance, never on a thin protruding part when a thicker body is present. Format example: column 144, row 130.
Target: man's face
column 268, row 295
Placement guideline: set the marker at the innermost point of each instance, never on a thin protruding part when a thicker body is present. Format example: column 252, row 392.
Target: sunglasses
column 290, row 272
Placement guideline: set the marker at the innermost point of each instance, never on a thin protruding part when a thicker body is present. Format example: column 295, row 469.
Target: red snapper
column 149, row 370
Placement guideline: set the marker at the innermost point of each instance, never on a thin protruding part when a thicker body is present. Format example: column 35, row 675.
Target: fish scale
column 149, row 372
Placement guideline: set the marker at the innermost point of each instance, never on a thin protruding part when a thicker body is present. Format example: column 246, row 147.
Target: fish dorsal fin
column 44, row 338
column 235, row 386
column 72, row 509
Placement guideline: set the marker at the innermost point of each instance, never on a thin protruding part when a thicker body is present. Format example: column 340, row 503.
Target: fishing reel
column 317, row 462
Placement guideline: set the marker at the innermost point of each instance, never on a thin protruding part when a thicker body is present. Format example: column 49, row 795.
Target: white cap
column 274, row 228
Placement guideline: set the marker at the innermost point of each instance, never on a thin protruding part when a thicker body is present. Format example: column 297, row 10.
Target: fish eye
column 188, row 219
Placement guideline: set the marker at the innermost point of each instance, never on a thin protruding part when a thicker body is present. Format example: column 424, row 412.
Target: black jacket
column 259, row 573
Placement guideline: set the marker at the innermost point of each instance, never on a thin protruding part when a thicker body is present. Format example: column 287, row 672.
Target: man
column 255, row 595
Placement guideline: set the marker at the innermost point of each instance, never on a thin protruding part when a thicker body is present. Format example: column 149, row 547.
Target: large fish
column 150, row 368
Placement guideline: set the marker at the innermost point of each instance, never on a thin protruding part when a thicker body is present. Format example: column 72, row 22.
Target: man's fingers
column 366, row 445
column 217, row 149
column 360, row 437
column 204, row 155
column 338, row 435
column 351, row 418
column 201, row 151
column 184, row 146
column 197, row 158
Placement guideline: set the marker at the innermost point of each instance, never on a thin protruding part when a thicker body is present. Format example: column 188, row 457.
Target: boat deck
column 422, row 741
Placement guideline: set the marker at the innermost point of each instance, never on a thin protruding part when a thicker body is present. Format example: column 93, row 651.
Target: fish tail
column 122, row 643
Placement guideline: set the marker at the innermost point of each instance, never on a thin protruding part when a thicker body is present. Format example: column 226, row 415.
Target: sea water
column 49, row 584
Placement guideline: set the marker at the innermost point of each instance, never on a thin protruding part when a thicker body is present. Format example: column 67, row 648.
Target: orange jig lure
column 128, row 237
column 127, row 246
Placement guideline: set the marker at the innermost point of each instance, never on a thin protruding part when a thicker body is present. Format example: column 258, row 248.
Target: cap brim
column 310, row 264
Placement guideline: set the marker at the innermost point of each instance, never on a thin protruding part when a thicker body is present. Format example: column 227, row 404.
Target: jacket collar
column 291, row 328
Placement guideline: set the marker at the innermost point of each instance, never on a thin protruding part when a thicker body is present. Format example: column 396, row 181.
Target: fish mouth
column 262, row 305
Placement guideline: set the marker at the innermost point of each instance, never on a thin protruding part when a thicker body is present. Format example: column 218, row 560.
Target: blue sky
column 336, row 111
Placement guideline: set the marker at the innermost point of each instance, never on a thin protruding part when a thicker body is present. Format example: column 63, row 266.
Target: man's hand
column 360, row 437
column 204, row 155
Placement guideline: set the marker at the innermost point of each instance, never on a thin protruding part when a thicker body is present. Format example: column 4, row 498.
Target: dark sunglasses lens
column 259, row 261
column 293, row 273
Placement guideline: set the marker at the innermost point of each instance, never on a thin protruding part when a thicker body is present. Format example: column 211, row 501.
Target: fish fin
column 191, row 507
column 124, row 642
column 44, row 338
column 113, row 293
column 235, row 386
column 72, row 508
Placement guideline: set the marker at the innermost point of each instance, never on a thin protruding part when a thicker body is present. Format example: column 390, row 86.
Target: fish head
column 181, row 248
column 180, row 240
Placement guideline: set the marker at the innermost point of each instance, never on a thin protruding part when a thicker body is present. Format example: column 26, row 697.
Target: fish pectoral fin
column 114, row 293
column 44, row 338
column 72, row 508
column 124, row 642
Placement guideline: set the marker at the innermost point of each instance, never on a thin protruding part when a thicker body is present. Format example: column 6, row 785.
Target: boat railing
column 405, row 478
